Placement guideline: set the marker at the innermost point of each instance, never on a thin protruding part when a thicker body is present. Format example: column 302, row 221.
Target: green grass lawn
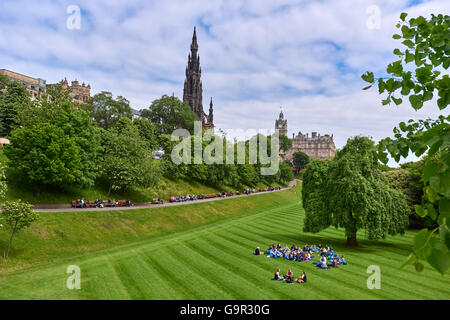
column 201, row 251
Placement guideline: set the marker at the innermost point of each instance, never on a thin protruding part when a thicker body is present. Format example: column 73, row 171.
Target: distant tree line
column 56, row 143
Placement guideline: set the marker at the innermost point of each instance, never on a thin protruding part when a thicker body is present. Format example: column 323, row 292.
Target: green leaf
column 444, row 207
column 408, row 43
column 421, row 212
column 368, row 87
column 368, row 77
column 429, row 170
column 409, row 57
column 396, row 36
column 397, row 101
column 439, row 258
column 398, row 52
column 403, row 16
column 431, row 211
column 416, row 101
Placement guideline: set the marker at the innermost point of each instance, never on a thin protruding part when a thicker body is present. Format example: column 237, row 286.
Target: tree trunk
column 351, row 241
column 9, row 244
column 350, row 232
column 109, row 191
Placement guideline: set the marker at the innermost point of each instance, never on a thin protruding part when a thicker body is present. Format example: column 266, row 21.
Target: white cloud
column 255, row 55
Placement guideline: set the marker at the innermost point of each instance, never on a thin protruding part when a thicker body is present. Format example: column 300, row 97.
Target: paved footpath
column 67, row 208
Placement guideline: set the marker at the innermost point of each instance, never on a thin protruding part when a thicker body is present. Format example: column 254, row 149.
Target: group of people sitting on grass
column 306, row 254
column 289, row 277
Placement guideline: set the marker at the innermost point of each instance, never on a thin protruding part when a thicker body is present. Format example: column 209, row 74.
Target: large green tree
column 351, row 192
column 419, row 75
column 300, row 160
column 107, row 110
column 44, row 155
column 126, row 162
column 58, row 109
column 169, row 113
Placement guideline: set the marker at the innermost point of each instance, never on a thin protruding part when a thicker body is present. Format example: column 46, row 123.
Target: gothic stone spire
column 192, row 93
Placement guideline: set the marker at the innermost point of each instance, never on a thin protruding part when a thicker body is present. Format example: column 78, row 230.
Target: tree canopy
column 169, row 113
column 350, row 192
column 300, row 160
column 44, row 155
column 107, row 110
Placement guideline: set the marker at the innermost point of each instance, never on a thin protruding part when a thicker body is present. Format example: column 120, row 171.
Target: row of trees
column 57, row 143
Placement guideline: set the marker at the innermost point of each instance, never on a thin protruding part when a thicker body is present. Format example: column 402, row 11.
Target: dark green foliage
column 300, row 160
column 107, row 111
column 169, row 113
column 126, row 162
column 44, row 155
column 418, row 75
column 76, row 123
column 286, row 174
column 15, row 96
column 350, row 192
column 285, row 143
column 314, row 196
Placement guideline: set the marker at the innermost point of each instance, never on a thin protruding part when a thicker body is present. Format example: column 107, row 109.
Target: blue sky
column 256, row 55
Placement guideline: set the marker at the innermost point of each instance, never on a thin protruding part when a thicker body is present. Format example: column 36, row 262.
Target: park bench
column 110, row 204
column 121, row 203
column 74, row 204
column 211, row 195
column 90, row 204
column 156, row 201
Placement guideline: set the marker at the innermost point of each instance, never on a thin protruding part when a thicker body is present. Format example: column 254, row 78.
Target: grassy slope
column 195, row 252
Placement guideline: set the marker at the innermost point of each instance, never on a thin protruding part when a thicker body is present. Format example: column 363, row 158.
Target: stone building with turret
column 315, row 146
column 193, row 90
column 79, row 93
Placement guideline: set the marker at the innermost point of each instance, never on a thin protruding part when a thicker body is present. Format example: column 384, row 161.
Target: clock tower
column 281, row 124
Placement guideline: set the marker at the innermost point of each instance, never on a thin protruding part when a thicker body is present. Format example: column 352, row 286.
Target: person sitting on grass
column 342, row 261
column 333, row 264
column 302, row 278
column 307, row 257
column 322, row 264
column 257, row 251
column 289, row 276
column 277, row 276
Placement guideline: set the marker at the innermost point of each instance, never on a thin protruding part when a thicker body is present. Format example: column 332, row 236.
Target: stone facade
column 193, row 91
column 315, row 146
column 79, row 93
column 35, row 86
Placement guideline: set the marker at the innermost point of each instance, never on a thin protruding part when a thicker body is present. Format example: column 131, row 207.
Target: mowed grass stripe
column 272, row 264
column 248, row 282
column 215, row 261
column 268, row 268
